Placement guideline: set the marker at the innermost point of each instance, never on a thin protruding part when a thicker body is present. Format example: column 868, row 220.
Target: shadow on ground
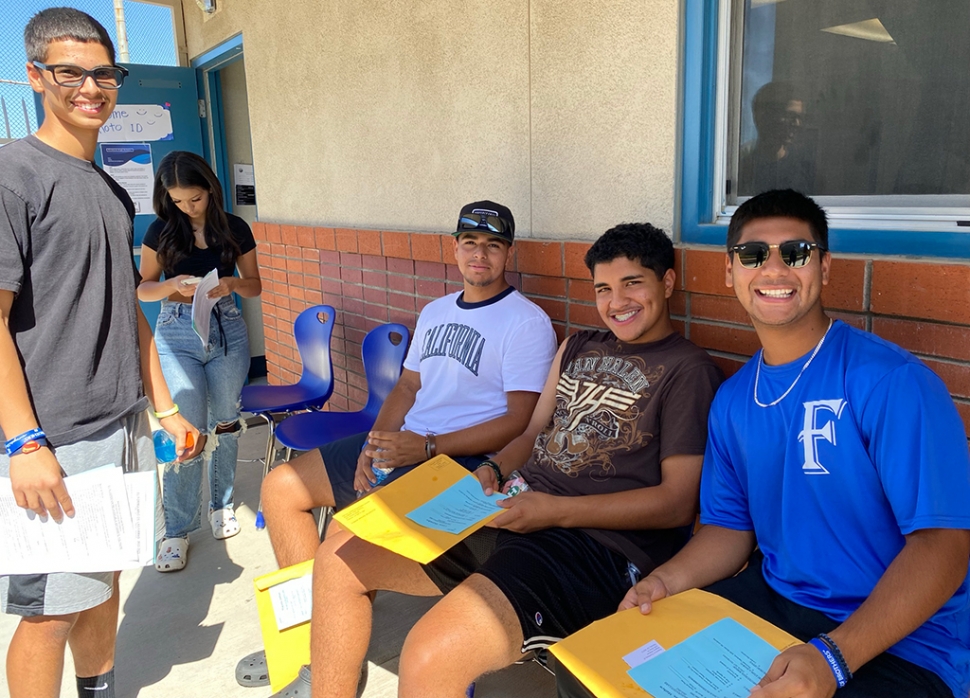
column 165, row 616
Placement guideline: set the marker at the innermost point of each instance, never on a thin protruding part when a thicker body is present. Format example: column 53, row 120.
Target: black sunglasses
column 476, row 221
column 794, row 253
column 108, row 77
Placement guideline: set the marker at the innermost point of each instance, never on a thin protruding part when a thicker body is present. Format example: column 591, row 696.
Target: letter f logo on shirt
column 810, row 433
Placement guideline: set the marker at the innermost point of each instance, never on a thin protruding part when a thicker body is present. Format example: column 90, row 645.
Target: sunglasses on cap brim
column 481, row 221
column 794, row 253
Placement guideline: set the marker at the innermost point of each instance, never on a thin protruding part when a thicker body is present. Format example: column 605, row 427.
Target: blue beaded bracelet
column 14, row 445
column 841, row 677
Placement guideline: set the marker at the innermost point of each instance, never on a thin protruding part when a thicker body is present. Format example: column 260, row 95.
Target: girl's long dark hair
column 175, row 241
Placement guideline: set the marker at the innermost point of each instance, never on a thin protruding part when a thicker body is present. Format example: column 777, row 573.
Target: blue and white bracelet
column 15, row 445
column 833, row 656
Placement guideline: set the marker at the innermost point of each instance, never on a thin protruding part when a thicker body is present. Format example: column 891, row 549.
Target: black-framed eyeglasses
column 482, row 221
column 108, row 77
column 794, row 253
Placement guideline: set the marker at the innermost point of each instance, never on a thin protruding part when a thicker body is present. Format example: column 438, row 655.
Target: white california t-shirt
column 470, row 354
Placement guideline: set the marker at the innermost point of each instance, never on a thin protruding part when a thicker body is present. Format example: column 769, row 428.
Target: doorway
column 227, row 144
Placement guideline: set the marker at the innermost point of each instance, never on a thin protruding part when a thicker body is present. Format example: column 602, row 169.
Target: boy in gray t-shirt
column 74, row 346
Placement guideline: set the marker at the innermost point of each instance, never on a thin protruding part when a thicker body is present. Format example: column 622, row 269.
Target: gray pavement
column 181, row 633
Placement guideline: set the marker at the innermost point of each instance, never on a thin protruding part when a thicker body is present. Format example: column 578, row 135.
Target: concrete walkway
column 181, row 634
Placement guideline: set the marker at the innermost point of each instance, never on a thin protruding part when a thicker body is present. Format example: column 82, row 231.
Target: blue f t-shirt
column 865, row 449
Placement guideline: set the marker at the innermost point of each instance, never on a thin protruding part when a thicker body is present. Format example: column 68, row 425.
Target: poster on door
column 130, row 165
column 138, row 123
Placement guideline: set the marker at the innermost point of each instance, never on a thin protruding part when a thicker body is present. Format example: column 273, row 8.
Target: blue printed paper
column 462, row 505
column 725, row 660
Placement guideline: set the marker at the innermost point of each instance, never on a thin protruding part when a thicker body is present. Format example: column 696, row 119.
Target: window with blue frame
column 862, row 104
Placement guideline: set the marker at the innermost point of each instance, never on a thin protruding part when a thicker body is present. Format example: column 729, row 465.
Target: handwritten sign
column 137, row 122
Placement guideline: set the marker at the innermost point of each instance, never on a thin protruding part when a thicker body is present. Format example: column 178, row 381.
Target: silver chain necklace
column 761, row 359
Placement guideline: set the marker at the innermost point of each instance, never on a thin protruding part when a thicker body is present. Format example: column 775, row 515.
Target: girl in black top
column 192, row 236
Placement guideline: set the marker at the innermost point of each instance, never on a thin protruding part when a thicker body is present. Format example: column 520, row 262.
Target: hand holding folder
column 439, row 493
column 595, row 654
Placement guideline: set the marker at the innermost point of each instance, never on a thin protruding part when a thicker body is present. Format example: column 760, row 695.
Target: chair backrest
column 312, row 330
column 383, row 351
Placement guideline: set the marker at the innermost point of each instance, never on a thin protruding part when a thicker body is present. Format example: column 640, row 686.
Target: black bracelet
column 494, row 466
column 837, row 652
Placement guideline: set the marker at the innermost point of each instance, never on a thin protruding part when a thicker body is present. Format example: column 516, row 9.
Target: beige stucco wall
column 392, row 114
column 239, row 149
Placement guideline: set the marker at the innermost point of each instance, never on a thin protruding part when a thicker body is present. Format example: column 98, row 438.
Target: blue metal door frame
column 207, row 67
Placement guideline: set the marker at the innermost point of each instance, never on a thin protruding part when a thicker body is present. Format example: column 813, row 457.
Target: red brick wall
column 371, row 277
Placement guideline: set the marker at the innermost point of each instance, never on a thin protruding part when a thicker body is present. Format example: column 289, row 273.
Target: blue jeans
column 205, row 383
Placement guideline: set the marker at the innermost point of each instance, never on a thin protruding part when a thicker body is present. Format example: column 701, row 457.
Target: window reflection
column 854, row 97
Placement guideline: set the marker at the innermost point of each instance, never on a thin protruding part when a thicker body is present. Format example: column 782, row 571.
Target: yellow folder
column 286, row 650
column 380, row 518
column 595, row 653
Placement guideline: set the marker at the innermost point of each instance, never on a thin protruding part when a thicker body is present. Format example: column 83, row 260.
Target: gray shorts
column 126, row 442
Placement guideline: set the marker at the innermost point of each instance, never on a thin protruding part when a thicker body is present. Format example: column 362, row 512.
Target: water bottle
column 379, row 472
column 165, row 445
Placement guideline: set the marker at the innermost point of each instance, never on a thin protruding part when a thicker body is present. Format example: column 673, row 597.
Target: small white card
column 643, row 654
column 292, row 601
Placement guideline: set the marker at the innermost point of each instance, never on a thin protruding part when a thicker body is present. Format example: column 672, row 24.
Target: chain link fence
column 151, row 40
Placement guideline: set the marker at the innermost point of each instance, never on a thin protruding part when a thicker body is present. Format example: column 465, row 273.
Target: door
column 173, row 89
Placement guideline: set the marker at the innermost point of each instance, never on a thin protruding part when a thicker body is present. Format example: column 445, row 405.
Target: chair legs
column 267, row 462
column 326, row 514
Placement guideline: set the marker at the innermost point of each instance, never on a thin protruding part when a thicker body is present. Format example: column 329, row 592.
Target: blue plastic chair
column 383, row 351
column 312, row 330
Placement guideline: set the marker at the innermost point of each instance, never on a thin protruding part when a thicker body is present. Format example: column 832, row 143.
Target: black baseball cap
column 487, row 217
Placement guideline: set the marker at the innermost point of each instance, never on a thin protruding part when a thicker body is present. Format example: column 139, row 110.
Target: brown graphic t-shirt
column 620, row 410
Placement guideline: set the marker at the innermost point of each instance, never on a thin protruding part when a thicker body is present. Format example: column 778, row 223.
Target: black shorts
column 558, row 580
column 340, row 458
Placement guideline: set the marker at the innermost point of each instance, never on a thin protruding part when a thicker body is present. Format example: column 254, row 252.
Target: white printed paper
column 292, row 601
column 141, row 491
column 244, row 174
column 137, row 122
column 130, row 165
column 106, row 533
column 643, row 654
column 202, row 305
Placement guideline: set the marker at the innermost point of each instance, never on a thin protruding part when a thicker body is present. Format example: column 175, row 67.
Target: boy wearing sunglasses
column 837, row 468
column 74, row 347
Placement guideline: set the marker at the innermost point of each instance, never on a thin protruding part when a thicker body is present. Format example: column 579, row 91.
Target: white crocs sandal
column 173, row 554
column 223, row 522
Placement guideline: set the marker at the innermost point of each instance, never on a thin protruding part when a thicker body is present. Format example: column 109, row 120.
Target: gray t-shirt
column 66, row 253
